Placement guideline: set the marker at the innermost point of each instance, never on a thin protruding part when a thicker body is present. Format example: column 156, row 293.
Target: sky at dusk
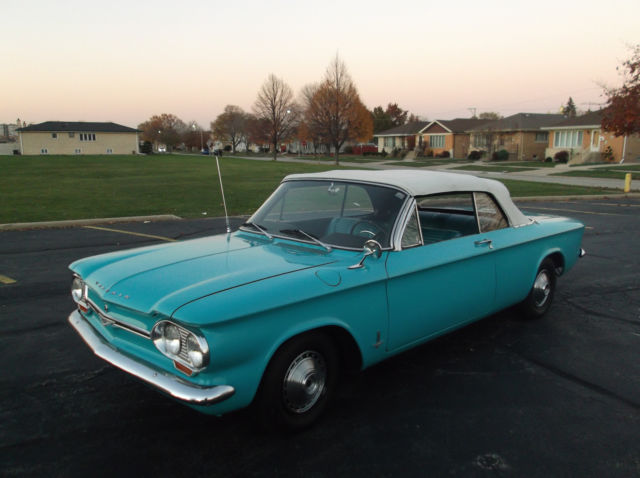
column 125, row 61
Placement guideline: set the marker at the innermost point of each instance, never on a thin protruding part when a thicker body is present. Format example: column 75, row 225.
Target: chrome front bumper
column 166, row 382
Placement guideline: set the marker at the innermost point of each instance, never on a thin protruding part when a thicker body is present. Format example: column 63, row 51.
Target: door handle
column 483, row 242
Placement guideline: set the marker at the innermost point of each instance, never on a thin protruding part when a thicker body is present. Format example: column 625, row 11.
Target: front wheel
column 298, row 382
column 541, row 295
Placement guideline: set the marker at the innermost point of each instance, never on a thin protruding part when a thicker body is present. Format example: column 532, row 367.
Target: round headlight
column 195, row 353
column 172, row 339
column 77, row 289
column 181, row 345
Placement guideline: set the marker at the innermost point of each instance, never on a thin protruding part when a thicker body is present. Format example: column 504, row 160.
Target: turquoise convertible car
column 336, row 271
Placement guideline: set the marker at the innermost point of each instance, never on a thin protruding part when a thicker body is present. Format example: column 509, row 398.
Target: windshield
column 335, row 213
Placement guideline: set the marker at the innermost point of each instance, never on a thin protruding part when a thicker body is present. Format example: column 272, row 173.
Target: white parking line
column 6, row 280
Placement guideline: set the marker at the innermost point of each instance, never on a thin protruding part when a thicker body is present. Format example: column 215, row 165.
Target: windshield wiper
column 300, row 232
column 261, row 229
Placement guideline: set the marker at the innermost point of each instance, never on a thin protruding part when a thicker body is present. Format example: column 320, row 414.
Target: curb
column 575, row 197
column 84, row 222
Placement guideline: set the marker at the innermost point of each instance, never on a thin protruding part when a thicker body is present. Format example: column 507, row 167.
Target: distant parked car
column 365, row 148
column 336, row 271
column 204, row 151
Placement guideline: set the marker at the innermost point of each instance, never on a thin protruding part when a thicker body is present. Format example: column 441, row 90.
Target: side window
column 446, row 216
column 411, row 236
column 490, row 216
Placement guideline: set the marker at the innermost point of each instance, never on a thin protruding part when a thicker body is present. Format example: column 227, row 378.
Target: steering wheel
column 366, row 229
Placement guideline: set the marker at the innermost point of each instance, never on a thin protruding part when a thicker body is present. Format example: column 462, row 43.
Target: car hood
column 163, row 278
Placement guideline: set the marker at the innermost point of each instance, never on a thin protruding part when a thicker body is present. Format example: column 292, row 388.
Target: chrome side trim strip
column 164, row 381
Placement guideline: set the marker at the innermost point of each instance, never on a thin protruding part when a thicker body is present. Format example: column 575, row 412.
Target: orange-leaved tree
column 336, row 112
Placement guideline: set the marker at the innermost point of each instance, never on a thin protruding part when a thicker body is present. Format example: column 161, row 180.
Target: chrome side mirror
column 370, row 248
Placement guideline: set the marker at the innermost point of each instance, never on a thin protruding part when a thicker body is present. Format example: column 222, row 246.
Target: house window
column 54, row 135
column 78, row 151
column 44, row 151
column 436, row 141
column 480, row 140
column 542, row 137
column 389, row 142
column 567, row 139
column 87, row 136
column 109, row 151
column 71, row 135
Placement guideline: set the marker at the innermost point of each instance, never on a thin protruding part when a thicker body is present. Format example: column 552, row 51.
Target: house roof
column 78, row 127
column 589, row 120
column 407, row 129
column 460, row 125
column 422, row 183
column 521, row 122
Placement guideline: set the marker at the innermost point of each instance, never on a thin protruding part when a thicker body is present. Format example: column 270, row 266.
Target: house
column 450, row 136
column 521, row 135
column 431, row 137
column 585, row 141
column 401, row 137
column 78, row 137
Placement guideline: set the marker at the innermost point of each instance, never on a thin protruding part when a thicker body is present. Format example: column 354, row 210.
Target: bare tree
column 276, row 106
column 336, row 111
column 231, row 126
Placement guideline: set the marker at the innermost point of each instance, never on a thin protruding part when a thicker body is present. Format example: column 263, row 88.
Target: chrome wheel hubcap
column 304, row 381
column 541, row 288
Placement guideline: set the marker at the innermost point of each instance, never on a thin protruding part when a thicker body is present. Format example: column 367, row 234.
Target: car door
column 444, row 275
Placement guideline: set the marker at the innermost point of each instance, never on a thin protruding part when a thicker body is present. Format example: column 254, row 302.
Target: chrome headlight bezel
column 79, row 290
column 192, row 351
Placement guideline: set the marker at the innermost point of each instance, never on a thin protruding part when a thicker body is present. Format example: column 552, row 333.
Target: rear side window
column 490, row 216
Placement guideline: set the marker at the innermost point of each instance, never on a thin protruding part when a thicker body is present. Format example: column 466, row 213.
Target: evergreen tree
column 570, row 109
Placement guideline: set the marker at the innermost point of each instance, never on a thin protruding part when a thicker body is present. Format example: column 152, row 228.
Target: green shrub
column 474, row 155
column 501, row 155
column 561, row 157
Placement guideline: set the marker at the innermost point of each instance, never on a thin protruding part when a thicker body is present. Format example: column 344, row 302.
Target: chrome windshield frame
column 399, row 220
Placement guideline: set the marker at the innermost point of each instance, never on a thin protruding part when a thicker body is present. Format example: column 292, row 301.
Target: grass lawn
column 531, row 188
column 49, row 188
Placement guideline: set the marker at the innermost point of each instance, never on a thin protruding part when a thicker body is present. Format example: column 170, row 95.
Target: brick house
column 449, row 135
column 521, row 135
column 401, row 137
column 78, row 137
column 585, row 141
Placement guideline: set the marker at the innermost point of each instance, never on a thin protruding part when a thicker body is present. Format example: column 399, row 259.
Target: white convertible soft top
column 423, row 183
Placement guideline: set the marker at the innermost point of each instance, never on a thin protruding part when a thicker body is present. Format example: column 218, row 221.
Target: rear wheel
column 541, row 295
column 298, row 382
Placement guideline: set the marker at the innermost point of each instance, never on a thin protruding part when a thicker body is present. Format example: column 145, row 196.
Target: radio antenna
column 224, row 202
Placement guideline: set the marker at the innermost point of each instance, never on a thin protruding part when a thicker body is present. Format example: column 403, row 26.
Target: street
column 503, row 397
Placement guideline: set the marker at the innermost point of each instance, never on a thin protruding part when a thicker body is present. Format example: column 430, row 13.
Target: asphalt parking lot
column 503, row 397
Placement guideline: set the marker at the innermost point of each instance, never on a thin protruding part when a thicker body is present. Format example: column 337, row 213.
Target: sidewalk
column 541, row 175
